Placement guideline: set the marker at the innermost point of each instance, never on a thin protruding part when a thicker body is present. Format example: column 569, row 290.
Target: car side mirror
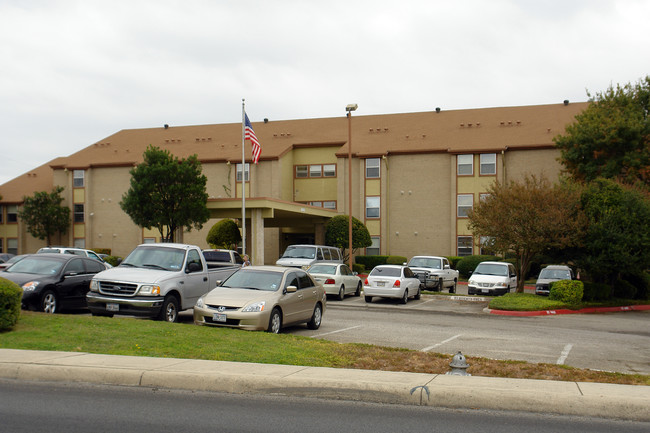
column 446, row 267
column 70, row 274
column 291, row 289
column 404, row 264
column 193, row 267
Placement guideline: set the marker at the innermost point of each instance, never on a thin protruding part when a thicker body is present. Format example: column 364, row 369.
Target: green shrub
column 453, row 261
column 641, row 281
column 10, row 298
column 396, row 260
column 224, row 234
column 102, row 251
column 624, row 289
column 596, row 291
column 358, row 268
column 568, row 291
column 468, row 263
column 113, row 260
column 369, row 262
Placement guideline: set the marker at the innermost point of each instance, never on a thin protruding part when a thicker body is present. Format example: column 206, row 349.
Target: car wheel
column 441, row 283
column 316, row 318
column 405, row 298
column 452, row 289
column 417, row 295
column 169, row 311
column 342, row 293
column 275, row 322
column 49, row 303
column 368, row 299
column 358, row 292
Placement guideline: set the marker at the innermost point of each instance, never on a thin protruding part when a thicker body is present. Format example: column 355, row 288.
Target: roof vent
column 437, row 109
column 266, row 120
column 166, row 126
column 566, row 102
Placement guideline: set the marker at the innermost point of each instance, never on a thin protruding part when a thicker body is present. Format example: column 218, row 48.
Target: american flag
column 249, row 134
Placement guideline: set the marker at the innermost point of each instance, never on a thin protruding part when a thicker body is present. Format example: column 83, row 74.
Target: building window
column 465, row 204
column 316, row 203
column 465, row 165
column 329, row 205
column 12, row 213
column 149, row 240
column 486, row 245
column 465, row 247
column 1, row 245
column 329, row 170
column 373, row 249
column 483, row 196
column 247, row 172
column 2, row 210
column 302, row 171
column 488, row 163
column 372, row 207
column 315, row 170
column 78, row 213
column 372, row 168
column 78, row 178
column 80, row 243
column 12, row 246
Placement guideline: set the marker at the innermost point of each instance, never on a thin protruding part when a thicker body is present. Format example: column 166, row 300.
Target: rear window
column 217, row 256
column 386, row 272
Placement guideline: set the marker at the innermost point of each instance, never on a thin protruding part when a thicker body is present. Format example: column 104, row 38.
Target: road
column 618, row 342
column 45, row 407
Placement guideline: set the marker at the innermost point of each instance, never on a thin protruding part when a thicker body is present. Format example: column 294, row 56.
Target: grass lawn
column 142, row 337
column 532, row 302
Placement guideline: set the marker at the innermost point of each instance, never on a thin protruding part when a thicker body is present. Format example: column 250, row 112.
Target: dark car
column 11, row 261
column 53, row 282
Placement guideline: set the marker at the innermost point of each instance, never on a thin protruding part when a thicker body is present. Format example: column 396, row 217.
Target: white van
column 303, row 256
column 494, row 278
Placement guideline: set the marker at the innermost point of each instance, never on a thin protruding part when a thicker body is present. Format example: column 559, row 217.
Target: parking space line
column 419, row 304
column 337, row 331
column 426, row 349
column 564, row 354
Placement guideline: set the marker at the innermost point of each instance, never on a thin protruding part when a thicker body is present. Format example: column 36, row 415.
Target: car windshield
column 165, row 258
column 490, row 269
column 37, row 266
column 323, row 269
column 424, row 262
column 299, row 253
column 254, row 280
column 555, row 274
column 386, row 272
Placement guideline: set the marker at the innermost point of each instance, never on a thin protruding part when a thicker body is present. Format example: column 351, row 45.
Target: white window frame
column 246, row 172
column 464, row 203
column 464, row 239
column 302, row 171
column 12, row 213
column 488, row 160
column 330, row 204
column 375, row 248
column 12, row 245
column 329, row 170
column 373, row 202
column 464, row 161
column 315, row 170
column 372, row 165
column 79, row 216
column 78, row 178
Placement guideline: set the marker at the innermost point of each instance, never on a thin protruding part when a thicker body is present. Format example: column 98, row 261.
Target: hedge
column 369, row 262
column 10, row 299
column 568, row 291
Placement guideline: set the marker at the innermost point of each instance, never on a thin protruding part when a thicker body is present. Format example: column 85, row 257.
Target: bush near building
column 10, row 298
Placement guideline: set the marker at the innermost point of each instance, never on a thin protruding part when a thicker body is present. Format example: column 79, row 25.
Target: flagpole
column 243, row 178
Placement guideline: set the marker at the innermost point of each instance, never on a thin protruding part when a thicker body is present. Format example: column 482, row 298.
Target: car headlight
column 200, row 303
column 254, row 308
column 28, row 287
column 305, row 267
column 471, row 282
column 150, row 290
column 94, row 286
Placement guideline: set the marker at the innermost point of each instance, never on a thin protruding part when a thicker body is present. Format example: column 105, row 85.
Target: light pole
column 350, row 108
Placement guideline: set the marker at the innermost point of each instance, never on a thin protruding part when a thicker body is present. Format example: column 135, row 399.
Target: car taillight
column 365, row 282
column 397, row 283
column 329, row 281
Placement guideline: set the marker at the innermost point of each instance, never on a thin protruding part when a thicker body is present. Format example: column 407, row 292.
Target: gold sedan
column 263, row 298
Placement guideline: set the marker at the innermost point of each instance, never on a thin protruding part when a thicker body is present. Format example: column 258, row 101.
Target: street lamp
column 350, row 108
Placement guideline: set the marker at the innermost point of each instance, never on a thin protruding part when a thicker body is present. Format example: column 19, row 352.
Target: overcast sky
column 75, row 72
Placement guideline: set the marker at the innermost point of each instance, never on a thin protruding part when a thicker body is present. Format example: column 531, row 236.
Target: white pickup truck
column 434, row 273
column 155, row 280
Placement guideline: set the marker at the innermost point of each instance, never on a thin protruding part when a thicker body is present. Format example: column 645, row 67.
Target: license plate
column 112, row 307
column 381, row 283
column 485, row 291
column 219, row 317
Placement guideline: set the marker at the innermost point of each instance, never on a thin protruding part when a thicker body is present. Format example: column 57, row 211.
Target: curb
column 566, row 311
column 628, row 402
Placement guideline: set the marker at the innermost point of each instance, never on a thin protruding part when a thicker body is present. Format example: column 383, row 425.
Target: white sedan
column 337, row 279
column 392, row 281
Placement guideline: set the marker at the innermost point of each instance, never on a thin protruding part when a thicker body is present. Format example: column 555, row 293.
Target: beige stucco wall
column 542, row 162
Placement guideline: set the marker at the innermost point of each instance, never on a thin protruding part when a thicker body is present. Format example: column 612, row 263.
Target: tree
column 611, row 138
column 44, row 216
column 527, row 218
column 337, row 234
column 224, row 234
column 617, row 238
column 167, row 193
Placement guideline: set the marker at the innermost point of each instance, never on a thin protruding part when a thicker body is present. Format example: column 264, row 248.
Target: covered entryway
column 298, row 221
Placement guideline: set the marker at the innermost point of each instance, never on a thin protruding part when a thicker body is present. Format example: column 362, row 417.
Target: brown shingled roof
column 25, row 185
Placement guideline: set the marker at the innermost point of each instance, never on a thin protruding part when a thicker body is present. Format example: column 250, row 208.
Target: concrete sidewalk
column 569, row 398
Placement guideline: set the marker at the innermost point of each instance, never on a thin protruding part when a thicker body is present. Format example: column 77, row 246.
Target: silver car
column 263, row 298
column 337, row 279
column 391, row 281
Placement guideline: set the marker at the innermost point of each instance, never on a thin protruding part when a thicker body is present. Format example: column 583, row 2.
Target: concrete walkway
column 569, row 398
